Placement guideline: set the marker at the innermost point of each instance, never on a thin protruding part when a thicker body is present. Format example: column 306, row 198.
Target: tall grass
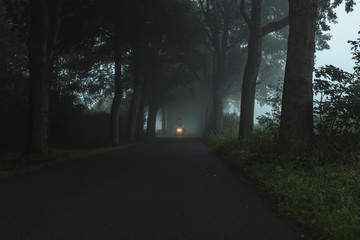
column 320, row 189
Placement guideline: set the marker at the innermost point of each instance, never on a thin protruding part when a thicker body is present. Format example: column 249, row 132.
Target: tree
column 169, row 37
column 14, row 80
column 117, row 16
column 338, row 109
column 143, row 32
column 136, row 98
column 118, row 93
column 257, row 32
column 44, row 29
column 219, row 19
column 296, row 123
column 356, row 55
column 102, row 33
column 151, row 121
column 116, row 13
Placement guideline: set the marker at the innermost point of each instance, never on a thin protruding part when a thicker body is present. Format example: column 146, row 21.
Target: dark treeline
column 95, row 72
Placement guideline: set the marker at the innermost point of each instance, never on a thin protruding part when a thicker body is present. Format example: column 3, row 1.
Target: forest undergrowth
column 318, row 188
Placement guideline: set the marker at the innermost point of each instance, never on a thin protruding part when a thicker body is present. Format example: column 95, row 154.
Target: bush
column 338, row 109
column 225, row 142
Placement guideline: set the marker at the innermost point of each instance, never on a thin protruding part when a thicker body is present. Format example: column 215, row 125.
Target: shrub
column 338, row 108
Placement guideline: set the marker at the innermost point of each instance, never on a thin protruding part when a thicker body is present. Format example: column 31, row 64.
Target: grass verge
column 14, row 163
column 320, row 189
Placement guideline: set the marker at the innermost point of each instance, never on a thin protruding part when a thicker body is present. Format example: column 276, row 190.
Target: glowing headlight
column 179, row 130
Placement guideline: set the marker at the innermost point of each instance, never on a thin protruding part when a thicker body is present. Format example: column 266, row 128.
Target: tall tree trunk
column 253, row 62
column 218, row 109
column 296, row 123
column 169, row 121
column 207, row 109
column 210, row 119
column 151, row 121
column 141, row 118
column 251, row 71
column 135, row 101
column 115, row 107
column 218, row 18
column 44, row 28
column 218, row 92
column 163, row 119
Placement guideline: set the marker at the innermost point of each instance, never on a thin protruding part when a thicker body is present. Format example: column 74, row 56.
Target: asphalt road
column 167, row 189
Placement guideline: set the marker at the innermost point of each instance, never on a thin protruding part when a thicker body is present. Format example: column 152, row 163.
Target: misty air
column 179, row 119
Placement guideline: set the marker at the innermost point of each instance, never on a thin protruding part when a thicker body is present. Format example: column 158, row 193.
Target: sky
column 339, row 53
column 346, row 29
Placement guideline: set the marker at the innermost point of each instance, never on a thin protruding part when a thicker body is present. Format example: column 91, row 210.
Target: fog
column 171, row 68
column 187, row 107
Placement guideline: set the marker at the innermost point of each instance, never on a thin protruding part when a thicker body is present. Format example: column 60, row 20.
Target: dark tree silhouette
column 44, row 29
column 219, row 18
column 257, row 32
column 296, row 123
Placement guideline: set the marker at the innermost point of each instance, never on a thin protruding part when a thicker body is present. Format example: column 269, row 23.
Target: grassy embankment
column 319, row 189
column 14, row 163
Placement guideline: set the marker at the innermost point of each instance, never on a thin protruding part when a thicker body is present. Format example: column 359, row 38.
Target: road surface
column 167, row 189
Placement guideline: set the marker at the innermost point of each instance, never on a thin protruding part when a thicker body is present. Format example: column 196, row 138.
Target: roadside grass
column 15, row 163
column 318, row 189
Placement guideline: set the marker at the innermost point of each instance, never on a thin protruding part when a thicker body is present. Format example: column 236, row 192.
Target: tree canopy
column 124, row 58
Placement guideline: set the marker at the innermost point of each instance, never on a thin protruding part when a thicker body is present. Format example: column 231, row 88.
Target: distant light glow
column 179, row 130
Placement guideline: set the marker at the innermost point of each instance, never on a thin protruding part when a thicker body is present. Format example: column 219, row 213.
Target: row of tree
column 138, row 52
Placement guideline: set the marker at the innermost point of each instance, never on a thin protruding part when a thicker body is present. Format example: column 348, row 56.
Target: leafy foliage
column 271, row 120
column 356, row 56
column 325, row 15
column 339, row 106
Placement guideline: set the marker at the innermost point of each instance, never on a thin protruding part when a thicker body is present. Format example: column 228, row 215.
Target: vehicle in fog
column 179, row 129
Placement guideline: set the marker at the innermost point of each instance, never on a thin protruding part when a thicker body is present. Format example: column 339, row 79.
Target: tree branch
column 54, row 26
column 225, row 35
column 219, row 8
column 244, row 14
column 208, row 33
column 274, row 26
column 238, row 40
column 207, row 19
